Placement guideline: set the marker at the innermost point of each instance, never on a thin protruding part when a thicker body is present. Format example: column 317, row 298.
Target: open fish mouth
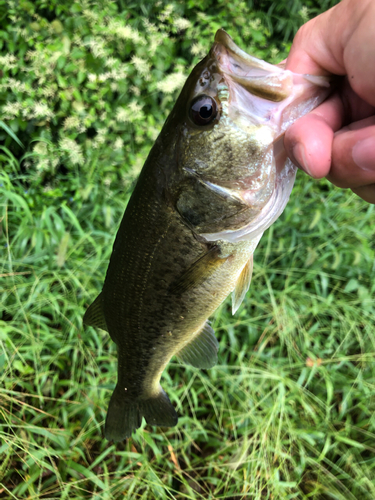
column 273, row 95
column 240, row 64
column 265, row 99
column 258, row 77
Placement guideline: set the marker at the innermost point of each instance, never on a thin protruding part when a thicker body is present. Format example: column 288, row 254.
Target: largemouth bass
column 216, row 178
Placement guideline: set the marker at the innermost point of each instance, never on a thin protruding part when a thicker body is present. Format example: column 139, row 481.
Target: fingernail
column 299, row 154
column 363, row 153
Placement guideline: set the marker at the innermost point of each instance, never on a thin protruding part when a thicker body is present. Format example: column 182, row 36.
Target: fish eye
column 203, row 110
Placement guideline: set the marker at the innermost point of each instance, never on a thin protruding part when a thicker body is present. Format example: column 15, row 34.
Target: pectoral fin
column 94, row 316
column 201, row 352
column 199, row 272
column 242, row 285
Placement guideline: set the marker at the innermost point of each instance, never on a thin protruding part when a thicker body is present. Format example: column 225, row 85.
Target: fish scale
column 213, row 182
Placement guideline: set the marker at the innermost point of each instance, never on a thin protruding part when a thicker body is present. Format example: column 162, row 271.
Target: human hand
column 337, row 139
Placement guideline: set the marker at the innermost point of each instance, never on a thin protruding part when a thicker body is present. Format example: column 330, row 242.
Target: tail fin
column 125, row 415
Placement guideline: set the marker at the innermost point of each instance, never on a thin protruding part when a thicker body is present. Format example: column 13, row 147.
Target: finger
column 308, row 142
column 312, row 51
column 353, row 155
column 359, row 124
column 339, row 41
column 367, row 193
column 312, row 156
column 358, row 53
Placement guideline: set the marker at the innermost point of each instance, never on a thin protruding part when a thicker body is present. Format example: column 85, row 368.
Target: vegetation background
column 288, row 413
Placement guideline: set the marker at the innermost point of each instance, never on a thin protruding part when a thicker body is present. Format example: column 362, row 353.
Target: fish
column 215, row 179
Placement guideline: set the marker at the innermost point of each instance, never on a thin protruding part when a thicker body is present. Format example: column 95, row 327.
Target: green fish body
column 215, row 179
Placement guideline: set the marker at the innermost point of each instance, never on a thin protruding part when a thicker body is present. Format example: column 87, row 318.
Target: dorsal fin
column 201, row 352
column 94, row 316
column 242, row 285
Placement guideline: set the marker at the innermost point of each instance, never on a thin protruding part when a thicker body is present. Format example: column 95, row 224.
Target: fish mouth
column 266, row 93
column 262, row 79
column 222, row 38
column 271, row 82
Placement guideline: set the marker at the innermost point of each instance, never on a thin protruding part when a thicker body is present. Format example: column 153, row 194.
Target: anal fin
column 94, row 316
column 242, row 285
column 158, row 410
column 201, row 352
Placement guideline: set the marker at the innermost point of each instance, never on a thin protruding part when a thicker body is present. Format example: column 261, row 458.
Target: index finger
column 340, row 41
column 308, row 142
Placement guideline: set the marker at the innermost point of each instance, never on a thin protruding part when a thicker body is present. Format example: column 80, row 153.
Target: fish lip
column 269, row 81
column 258, row 77
column 224, row 41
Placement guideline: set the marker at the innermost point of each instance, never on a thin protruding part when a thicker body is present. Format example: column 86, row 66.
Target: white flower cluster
column 156, row 37
column 40, row 148
column 73, row 149
column 97, row 47
column 132, row 113
column 9, row 61
column 304, row 13
column 37, row 109
column 150, row 27
column 274, row 52
column 16, row 86
column 41, row 110
column 42, row 64
column 181, row 23
column 79, row 89
column 71, row 122
column 118, row 144
column 91, row 15
column 100, row 138
column 48, row 91
column 111, row 61
column 171, row 83
column 124, row 32
column 166, row 12
column 117, row 74
column 11, row 109
column 42, row 158
column 135, row 90
column 141, row 65
column 255, row 24
column 198, row 49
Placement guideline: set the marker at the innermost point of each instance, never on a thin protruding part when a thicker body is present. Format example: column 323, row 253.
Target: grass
column 288, row 412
